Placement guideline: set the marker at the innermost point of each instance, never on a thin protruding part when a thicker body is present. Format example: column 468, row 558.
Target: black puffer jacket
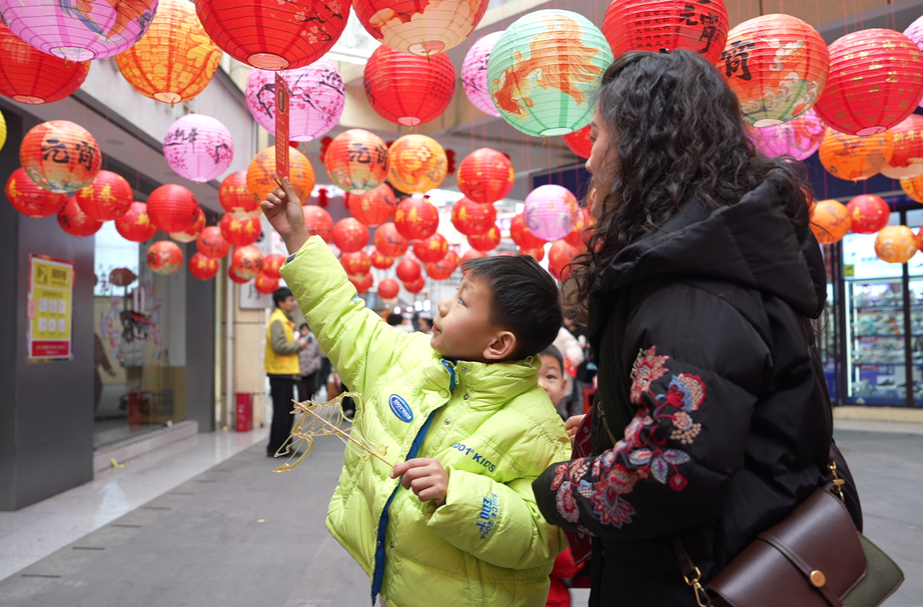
column 706, row 381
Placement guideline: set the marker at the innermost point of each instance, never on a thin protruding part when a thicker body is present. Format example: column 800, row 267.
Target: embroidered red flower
column 566, row 503
column 648, row 368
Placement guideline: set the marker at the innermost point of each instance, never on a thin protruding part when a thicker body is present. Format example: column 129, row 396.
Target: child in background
column 309, row 359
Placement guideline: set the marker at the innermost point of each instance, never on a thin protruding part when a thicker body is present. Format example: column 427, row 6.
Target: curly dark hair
column 676, row 133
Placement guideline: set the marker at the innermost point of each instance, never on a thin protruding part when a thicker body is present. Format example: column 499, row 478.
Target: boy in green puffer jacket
column 455, row 522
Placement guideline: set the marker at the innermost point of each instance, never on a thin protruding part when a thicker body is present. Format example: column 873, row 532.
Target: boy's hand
column 425, row 477
column 571, row 425
column 283, row 210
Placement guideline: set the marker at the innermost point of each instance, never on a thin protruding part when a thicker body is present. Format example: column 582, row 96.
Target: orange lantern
column 109, row 196
column 266, row 284
column 536, row 254
column 31, row 200
column 60, row 156
column 318, row 222
column 579, row 142
column 416, row 218
column 472, row 254
column 28, row 75
column 442, row 269
column 388, row 288
column 487, row 241
column 75, row 222
column 431, row 249
column 247, row 261
column 358, row 262
column 373, row 208
column 173, row 208
column 380, row 261
column 362, row 282
column 777, row 65
column 417, row 164
column 262, row 171
column 190, row 234
column 240, row 232
column 521, row 235
column 232, row 274
column 472, row 218
column 389, row 240
column 408, row 270
column 203, row 267
column 357, row 161
column 135, row 225
column 235, row 197
column 913, row 187
column 868, row 214
column 582, row 221
column 485, row 176
column 855, row 158
column 272, row 263
column 349, row 235
column 896, row 244
column 175, row 60
column 415, row 286
column 907, row 157
column 408, row 90
column 211, row 243
column 164, row 257
column 830, row 220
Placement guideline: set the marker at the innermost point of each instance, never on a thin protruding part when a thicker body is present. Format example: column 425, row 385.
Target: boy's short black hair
column 279, row 295
column 553, row 351
column 395, row 319
column 524, row 299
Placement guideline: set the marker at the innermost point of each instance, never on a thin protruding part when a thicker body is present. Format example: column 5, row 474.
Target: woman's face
column 599, row 135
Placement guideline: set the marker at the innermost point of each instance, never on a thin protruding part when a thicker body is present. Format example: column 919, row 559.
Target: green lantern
column 543, row 70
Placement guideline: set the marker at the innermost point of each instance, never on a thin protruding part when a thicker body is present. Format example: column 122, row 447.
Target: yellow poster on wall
column 51, row 293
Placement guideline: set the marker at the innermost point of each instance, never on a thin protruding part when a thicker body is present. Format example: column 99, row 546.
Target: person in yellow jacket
column 281, row 364
column 454, row 523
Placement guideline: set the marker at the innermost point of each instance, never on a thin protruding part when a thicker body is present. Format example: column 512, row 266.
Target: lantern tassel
column 544, row 143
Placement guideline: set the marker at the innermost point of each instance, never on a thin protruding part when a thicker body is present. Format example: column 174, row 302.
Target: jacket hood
column 488, row 386
column 752, row 243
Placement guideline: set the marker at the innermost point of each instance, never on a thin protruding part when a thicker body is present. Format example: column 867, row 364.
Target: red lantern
column 173, row 208
column 357, row 161
column 122, row 277
column 868, row 214
column 28, row 75
column 485, row 176
column 234, row 195
column 60, row 156
column 907, row 156
column 31, row 200
column 582, row 221
column 471, row 218
column 408, row 270
column 443, row 268
column 107, row 197
column 431, row 249
column 913, row 187
column 380, row 261
column 362, row 282
column 406, row 89
column 487, row 241
column 389, row 241
column 349, row 235
column 875, row 82
column 211, row 243
column 650, row 25
column 272, row 263
column 536, row 254
column 416, row 218
column 232, row 274
column 579, row 142
column 318, row 222
column 203, row 267
column 356, row 263
column 135, row 225
column 164, row 257
column 472, row 254
column 830, row 220
column 75, row 222
column 855, row 158
column 192, row 233
column 373, row 208
column 240, row 232
column 521, row 235
column 388, row 288
column 266, row 284
column 561, row 253
column 415, row 286
column 247, row 261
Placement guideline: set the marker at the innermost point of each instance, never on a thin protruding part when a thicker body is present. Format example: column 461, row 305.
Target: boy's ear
column 501, row 346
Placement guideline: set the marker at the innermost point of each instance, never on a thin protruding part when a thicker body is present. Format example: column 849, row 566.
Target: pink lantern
column 79, row 31
column 474, row 73
column 198, row 147
column 799, row 138
column 915, row 32
column 317, row 97
column 549, row 211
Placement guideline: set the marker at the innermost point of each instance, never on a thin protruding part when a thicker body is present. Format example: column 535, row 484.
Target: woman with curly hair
column 702, row 274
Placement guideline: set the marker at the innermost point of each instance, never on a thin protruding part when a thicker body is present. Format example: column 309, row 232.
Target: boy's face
column 463, row 330
column 551, row 378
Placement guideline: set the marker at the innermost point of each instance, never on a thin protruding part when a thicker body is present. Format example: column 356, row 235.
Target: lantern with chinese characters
column 203, row 267
column 318, row 222
column 415, row 286
column 549, row 211
column 349, row 235
column 373, row 208
column 799, row 137
column 232, row 274
column 536, row 254
column 75, row 222
column 487, row 241
column 235, row 197
column 173, row 208
column 357, row 161
column 581, row 221
column 417, row 164
column 190, row 234
column 198, row 147
column 175, row 60
column 579, row 142
column 474, row 73
column 381, row 261
column 650, row 25
column 247, row 261
column 317, row 96
column 31, row 200
column 471, row 218
column 777, row 65
column 272, row 263
column 266, row 284
column 60, row 156
column 30, row 76
column 521, row 235
column 274, row 35
column 358, row 262
column 830, row 221
column 2, row 130
column 164, row 257
column 362, row 282
column 389, row 240
column 416, row 218
column 485, row 176
column 907, row 157
column 135, row 225
column 420, row 28
column 108, row 197
column 895, row 244
column 388, row 288
column 442, row 269
column 431, row 249
column 240, row 232
column 262, row 170
column 408, row 270
column 408, row 90
column 855, row 158
column 211, row 243
column 535, row 99
column 913, row 187
column 868, row 214
column 875, row 82
column 472, row 254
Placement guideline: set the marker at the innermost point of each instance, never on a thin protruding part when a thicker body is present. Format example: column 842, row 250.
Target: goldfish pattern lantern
column 868, row 214
column 198, row 147
column 581, row 222
column 580, row 143
column 234, row 196
column 362, row 282
column 536, row 254
column 75, row 222
column 420, row 28
column 406, row 89
column 272, row 263
column 913, row 187
column 247, row 261
column 27, row 75
column 415, row 286
column 190, row 234
column 374, row 207
column 895, row 244
column 266, row 284
column 135, row 225
column 203, row 267
column 417, row 164
column 543, row 70
column 31, row 200
column 416, row 218
column 164, row 257
column 357, row 161
column 471, row 218
column 109, row 196
column 318, row 222
column 357, row 262
column 381, row 261
column 432, row 249
column 232, row 274
column 487, row 241
column 485, row 176
column 830, row 221
column 798, row 138
column 262, row 170
column 173, row 208
column 474, row 74
column 549, row 211
column 388, row 288
column 240, row 232
column 389, row 240
column 521, row 235
column 349, row 235
column 907, row 156
column 408, row 270
column 445, row 267
column 211, row 243
column 60, row 156
column 855, row 158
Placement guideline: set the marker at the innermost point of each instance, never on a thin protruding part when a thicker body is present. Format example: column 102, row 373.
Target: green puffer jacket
column 492, row 428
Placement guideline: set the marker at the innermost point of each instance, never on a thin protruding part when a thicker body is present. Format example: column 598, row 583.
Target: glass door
column 876, row 365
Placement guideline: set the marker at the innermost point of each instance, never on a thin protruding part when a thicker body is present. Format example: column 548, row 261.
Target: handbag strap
column 691, row 574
